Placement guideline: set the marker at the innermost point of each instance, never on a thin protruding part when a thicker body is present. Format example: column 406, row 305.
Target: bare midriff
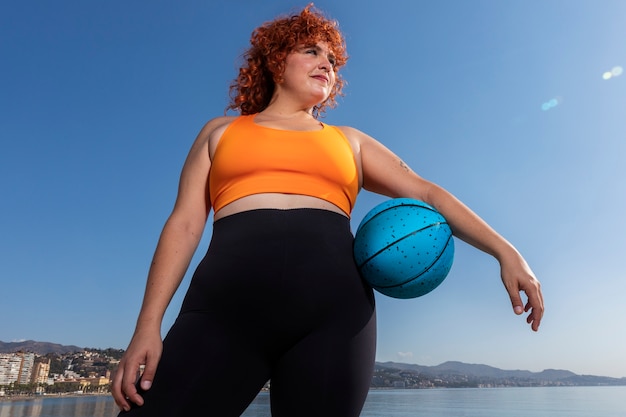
column 275, row 201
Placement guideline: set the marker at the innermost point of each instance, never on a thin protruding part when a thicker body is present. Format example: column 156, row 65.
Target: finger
column 122, row 403
column 516, row 301
column 148, row 374
column 129, row 388
column 535, row 315
column 116, row 391
column 535, row 306
column 534, row 321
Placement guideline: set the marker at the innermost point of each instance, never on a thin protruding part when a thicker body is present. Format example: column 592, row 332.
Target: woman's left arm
column 385, row 173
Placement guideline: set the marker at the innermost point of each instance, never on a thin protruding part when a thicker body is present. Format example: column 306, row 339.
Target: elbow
column 189, row 227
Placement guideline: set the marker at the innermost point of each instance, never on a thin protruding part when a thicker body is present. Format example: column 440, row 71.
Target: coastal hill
column 459, row 374
column 402, row 375
column 40, row 348
column 485, row 371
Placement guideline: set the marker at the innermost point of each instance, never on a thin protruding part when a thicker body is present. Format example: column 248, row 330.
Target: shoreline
column 28, row 397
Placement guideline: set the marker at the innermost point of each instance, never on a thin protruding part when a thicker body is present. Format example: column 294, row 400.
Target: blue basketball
column 404, row 248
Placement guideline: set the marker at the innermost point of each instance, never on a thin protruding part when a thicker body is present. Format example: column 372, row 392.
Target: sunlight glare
column 551, row 103
column 615, row 72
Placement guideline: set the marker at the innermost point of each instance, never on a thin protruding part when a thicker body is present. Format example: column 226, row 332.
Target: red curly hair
column 264, row 64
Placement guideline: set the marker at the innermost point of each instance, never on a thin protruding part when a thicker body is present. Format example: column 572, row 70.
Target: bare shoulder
column 199, row 149
column 212, row 131
column 350, row 131
column 216, row 125
column 355, row 134
column 358, row 139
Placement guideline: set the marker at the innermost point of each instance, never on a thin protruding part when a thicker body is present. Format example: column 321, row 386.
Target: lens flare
column 552, row 103
column 615, row 72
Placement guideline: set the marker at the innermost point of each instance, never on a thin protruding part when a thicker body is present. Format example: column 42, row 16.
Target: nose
column 325, row 63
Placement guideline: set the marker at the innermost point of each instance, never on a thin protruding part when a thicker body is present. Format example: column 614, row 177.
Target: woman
column 277, row 296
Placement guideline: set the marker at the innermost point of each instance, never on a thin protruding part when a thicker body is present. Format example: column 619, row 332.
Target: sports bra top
column 252, row 159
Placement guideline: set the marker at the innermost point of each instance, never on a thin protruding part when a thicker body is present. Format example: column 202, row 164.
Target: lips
column 321, row 78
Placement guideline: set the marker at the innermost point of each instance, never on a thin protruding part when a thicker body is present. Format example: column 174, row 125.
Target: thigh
column 326, row 374
column 205, row 366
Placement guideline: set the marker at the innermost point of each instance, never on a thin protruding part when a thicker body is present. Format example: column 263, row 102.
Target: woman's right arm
column 178, row 242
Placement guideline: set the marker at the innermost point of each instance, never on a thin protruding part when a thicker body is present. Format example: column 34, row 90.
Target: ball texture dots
column 404, row 248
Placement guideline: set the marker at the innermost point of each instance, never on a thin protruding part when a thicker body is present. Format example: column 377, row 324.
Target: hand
column 143, row 350
column 516, row 277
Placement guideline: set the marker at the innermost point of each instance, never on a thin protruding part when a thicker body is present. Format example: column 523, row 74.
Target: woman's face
column 309, row 72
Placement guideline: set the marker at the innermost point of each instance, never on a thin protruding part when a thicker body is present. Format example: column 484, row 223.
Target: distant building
column 41, row 372
column 16, row 367
column 9, row 368
column 28, row 360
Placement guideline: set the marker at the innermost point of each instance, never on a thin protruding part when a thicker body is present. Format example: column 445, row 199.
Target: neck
column 284, row 105
column 286, row 114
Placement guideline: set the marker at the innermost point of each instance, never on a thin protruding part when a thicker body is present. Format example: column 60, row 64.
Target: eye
column 315, row 51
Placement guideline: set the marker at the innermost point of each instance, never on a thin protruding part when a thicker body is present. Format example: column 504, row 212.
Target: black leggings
column 277, row 297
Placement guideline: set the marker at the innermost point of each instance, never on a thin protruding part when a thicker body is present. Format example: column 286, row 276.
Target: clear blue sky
column 504, row 103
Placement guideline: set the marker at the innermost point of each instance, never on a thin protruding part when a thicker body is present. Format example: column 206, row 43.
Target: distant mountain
column 478, row 374
column 40, row 348
column 460, row 368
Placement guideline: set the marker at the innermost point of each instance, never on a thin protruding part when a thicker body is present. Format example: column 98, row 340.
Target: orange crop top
column 252, row 159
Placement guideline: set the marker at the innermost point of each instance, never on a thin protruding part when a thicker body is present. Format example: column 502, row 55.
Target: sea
column 445, row 402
